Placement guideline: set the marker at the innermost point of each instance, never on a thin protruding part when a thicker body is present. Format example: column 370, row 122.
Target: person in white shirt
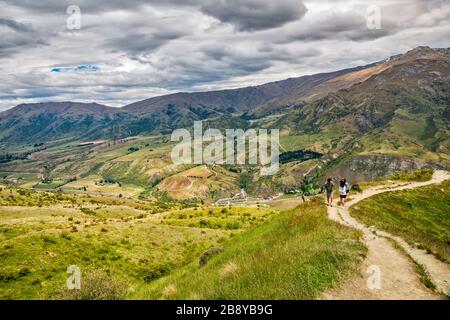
column 342, row 192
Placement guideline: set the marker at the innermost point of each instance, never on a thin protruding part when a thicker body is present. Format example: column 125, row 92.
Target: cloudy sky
column 127, row 51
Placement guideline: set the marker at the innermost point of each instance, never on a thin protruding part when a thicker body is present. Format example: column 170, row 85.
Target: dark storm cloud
column 15, row 25
column 218, row 62
column 186, row 72
column 16, row 36
column 153, row 47
column 245, row 15
column 136, row 43
column 250, row 15
column 263, row 53
column 341, row 26
column 92, row 6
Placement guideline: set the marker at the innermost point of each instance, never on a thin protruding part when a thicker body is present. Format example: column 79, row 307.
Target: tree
column 308, row 187
column 245, row 181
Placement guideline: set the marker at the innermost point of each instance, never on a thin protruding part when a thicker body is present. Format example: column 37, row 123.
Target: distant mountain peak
column 422, row 69
column 418, row 52
column 425, row 50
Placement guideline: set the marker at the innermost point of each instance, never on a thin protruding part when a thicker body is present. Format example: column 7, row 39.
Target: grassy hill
column 125, row 242
column 140, row 250
column 420, row 216
column 132, row 249
column 297, row 254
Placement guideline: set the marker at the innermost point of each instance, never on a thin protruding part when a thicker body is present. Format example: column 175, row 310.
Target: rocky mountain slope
column 30, row 123
column 399, row 106
column 406, row 103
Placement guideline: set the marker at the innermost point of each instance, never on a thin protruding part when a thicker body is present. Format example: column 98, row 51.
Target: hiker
column 342, row 192
column 329, row 190
column 347, row 186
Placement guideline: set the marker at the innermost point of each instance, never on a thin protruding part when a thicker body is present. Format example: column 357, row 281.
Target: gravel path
column 399, row 279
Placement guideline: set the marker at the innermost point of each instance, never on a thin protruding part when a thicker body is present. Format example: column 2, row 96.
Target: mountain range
column 398, row 105
column 27, row 123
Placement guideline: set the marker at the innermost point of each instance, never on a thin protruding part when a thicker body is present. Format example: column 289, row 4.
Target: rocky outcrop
column 373, row 167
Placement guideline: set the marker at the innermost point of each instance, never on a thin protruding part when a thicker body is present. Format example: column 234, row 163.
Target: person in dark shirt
column 329, row 185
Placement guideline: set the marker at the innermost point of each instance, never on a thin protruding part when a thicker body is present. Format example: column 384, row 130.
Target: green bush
column 154, row 272
column 96, row 285
column 88, row 211
column 418, row 175
column 208, row 254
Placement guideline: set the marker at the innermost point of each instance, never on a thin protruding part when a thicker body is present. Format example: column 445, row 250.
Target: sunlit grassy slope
column 420, row 216
column 295, row 255
column 140, row 250
column 127, row 241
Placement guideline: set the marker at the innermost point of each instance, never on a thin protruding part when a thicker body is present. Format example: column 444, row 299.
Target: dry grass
column 229, row 269
column 169, row 291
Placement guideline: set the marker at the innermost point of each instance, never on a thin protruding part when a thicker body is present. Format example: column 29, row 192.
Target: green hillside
column 420, row 216
column 115, row 241
column 131, row 249
column 297, row 254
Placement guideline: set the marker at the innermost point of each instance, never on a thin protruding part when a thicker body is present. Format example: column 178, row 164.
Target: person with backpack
column 342, row 192
column 328, row 187
column 347, row 186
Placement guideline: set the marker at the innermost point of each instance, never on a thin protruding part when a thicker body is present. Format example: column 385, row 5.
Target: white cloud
column 148, row 48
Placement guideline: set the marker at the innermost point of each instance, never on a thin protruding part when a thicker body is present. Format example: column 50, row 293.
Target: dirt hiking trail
column 399, row 279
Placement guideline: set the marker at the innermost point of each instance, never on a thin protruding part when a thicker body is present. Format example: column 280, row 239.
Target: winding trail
column 191, row 183
column 399, row 279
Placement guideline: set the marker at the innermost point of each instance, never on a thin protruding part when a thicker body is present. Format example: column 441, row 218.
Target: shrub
column 208, row 254
column 133, row 149
column 97, row 285
column 87, row 211
column 23, row 272
column 48, row 240
column 155, row 272
column 65, row 235
column 418, row 175
column 232, row 225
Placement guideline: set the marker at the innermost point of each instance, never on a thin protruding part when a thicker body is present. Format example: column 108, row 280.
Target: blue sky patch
column 81, row 68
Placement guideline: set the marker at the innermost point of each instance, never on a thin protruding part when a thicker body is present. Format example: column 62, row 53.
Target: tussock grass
column 34, row 257
column 231, row 218
column 418, row 175
column 42, row 233
column 96, row 285
column 296, row 254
